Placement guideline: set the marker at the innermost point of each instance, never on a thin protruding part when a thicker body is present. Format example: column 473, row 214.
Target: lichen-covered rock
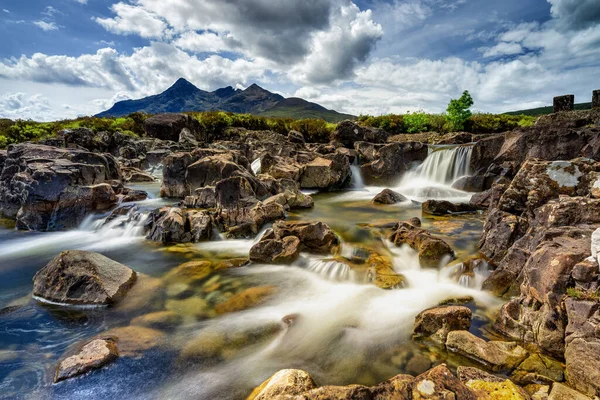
column 83, row 278
column 563, row 392
column 439, row 383
column 432, row 250
column 495, row 355
column 437, row 322
column 505, row 390
column 538, row 368
column 388, row 196
column 93, row 355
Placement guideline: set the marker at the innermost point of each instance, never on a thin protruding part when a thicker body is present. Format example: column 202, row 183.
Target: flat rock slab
column 93, row 355
column 82, row 278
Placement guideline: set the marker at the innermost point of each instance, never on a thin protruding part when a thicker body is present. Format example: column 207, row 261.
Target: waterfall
column 357, row 179
column 256, row 166
column 444, row 164
column 332, row 270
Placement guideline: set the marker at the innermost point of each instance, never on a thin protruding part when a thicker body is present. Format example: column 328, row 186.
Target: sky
column 67, row 58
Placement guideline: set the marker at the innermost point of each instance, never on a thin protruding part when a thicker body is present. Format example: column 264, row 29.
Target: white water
column 357, row 179
column 430, row 180
column 337, row 322
column 256, row 166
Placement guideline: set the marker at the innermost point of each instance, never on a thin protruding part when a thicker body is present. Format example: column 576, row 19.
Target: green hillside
column 301, row 109
column 534, row 112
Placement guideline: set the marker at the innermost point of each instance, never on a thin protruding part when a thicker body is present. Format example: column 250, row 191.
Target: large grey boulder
column 169, row 126
column 83, row 278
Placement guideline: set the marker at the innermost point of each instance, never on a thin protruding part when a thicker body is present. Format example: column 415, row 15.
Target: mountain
column 184, row 96
column 534, row 112
column 295, row 107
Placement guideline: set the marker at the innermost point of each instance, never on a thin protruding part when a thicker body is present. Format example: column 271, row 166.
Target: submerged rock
column 83, row 278
column 134, row 340
column 287, row 382
column 432, row 250
column 93, row 355
column 245, row 299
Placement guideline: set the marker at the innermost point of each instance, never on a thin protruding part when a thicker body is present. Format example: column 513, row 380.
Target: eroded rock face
column 92, row 355
column 169, row 126
column 175, row 225
column 432, row 250
column 48, row 188
column 394, row 159
column 83, row 278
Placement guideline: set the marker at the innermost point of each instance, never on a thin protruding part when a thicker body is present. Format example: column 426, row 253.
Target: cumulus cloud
column 18, row 105
column 576, row 14
column 134, row 20
column 208, row 42
column 503, row 49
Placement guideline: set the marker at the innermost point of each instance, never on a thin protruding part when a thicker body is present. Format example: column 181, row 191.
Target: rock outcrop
column 394, row 159
column 170, row 126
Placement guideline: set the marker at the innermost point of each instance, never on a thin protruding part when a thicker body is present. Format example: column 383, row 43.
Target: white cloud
column 503, row 49
column 46, row 26
column 133, row 20
column 6, row 11
column 81, row 1
column 207, row 42
column 21, row 105
column 575, row 14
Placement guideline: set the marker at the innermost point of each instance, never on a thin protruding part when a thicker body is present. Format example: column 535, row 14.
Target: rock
column 287, row 382
column 187, row 138
column 381, row 272
column 328, row 172
column 394, row 159
column 93, row 355
column 273, row 251
column 582, row 360
column 235, row 192
column 295, row 137
column 245, row 299
column 438, row 321
column 190, row 272
column 505, row 390
column 500, row 231
column 495, row 355
column 564, row 103
column 205, row 346
column 466, row 374
column 431, row 250
column 538, row 368
column 348, row 132
column 484, row 152
column 563, row 392
column 47, row 188
column 159, row 320
column 133, row 340
column 189, row 307
column 439, row 383
column 169, row 126
column 481, row 201
column 83, row 278
column 350, row 392
column 442, row 207
column 388, row 196
column 315, row 237
column 281, row 167
column 247, row 222
column 175, row 225
column 367, row 152
column 203, row 198
column 136, row 175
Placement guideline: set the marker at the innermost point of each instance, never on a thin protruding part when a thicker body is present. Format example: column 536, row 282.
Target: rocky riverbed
column 255, row 265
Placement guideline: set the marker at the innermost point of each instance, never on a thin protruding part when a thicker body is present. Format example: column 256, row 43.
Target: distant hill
column 534, row 112
column 184, row 96
column 297, row 108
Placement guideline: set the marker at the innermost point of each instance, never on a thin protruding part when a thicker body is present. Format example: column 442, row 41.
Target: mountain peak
column 183, row 84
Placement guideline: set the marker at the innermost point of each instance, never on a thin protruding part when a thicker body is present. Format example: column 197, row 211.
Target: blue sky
column 64, row 58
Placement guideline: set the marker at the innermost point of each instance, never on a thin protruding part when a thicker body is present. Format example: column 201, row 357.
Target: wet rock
column 147, row 291
column 437, row 322
column 357, row 392
column 205, row 346
column 481, row 201
column 190, row 307
column 274, row 251
column 505, row 390
column 159, row 320
column 315, row 237
column 394, row 159
column 281, row 167
column 495, row 355
column 348, row 132
column 442, row 207
column 287, row 382
column 93, row 355
column 367, row 152
column 381, row 273
column 538, row 368
column 466, row 374
column 175, row 225
column 563, row 392
column 169, row 126
column 245, row 299
column 189, row 272
column 247, row 222
column 501, row 230
column 431, row 250
column 388, row 196
column 134, row 340
column 484, row 152
column 205, row 197
column 418, row 364
column 329, row 172
column 83, row 278
column 439, row 383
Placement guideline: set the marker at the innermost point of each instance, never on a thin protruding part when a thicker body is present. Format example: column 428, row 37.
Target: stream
column 339, row 328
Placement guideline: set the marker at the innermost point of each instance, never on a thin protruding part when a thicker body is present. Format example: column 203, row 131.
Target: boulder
column 82, row 278
column 563, row 392
column 439, row 321
column 348, row 132
column 175, row 225
column 315, row 237
column 131, row 174
column 538, row 368
column 485, row 151
column 247, row 222
column 245, row 299
column 394, row 159
column 93, row 355
column 442, row 207
column 329, row 172
column 495, row 355
column 49, row 188
column 169, row 126
column 432, row 250
column 274, row 251
column 281, row 167
column 367, row 152
column 439, row 383
column 387, row 196
column 287, row 382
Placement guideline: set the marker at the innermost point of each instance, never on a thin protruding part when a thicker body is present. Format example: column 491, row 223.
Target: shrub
column 458, row 111
column 392, row 123
column 496, row 123
column 416, row 122
column 3, row 141
column 313, row 130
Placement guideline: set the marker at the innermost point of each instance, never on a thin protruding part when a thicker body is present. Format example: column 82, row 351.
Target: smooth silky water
column 324, row 317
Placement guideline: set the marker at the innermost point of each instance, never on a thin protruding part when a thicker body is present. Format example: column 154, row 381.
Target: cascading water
column 444, row 164
column 357, row 179
column 256, row 166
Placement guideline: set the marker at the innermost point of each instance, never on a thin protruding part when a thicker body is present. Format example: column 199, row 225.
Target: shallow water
column 321, row 316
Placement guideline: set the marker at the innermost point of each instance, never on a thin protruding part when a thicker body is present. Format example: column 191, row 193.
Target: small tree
column 458, row 111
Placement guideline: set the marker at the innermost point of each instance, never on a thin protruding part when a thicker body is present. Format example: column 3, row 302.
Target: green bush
column 391, row 123
column 416, row 122
column 458, row 111
column 313, row 130
column 3, row 141
column 497, row 123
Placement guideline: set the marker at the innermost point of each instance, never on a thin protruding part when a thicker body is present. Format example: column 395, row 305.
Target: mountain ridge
column 184, row 96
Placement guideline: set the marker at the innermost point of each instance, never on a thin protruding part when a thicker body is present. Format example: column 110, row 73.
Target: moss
column 582, row 294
